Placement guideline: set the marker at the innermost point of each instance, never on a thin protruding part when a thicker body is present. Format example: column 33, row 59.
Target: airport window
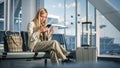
column 109, row 37
column 17, row 14
column 91, row 18
column 64, row 12
column 1, row 14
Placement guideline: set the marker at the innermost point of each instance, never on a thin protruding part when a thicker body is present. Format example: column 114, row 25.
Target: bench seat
column 22, row 55
column 26, row 54
column 29, row 55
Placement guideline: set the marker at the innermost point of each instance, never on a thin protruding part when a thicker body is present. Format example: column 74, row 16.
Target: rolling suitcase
column 86, row 53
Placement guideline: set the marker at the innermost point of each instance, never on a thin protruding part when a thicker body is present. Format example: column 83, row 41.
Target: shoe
column 67, row 61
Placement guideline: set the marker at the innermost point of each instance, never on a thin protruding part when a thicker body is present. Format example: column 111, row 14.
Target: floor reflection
column 40, row 64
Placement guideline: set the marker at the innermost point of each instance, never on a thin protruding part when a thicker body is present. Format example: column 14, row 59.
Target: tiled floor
column 22, row 64
column 40, row 64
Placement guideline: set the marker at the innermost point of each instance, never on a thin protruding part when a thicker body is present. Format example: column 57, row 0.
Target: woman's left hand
column 52, row 28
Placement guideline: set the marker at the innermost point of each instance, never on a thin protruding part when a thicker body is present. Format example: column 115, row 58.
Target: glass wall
column 1, row 20
column 17, row 14
column 55, row 13
column 1, row 15
column 13, row 14
column 70, row 23
column 63, row 12
column 91, row 18
column 87, row 14
column 109, row 36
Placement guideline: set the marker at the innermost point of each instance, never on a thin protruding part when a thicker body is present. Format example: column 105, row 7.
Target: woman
column 40, row 38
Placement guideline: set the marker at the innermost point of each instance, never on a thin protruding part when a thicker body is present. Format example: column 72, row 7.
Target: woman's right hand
column 43, row 29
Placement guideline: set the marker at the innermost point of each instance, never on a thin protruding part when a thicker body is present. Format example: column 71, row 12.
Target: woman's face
column 43, row 17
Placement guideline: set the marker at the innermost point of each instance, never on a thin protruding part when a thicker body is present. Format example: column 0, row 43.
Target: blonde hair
column 36, row 20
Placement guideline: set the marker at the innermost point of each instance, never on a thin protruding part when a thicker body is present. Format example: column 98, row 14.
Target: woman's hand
column 44, row 29
column 51, row 30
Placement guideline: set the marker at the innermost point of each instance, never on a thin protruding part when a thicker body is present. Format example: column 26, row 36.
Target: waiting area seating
column 26, row 54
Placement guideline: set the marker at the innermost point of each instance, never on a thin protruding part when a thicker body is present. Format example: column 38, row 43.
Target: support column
column 28, row 12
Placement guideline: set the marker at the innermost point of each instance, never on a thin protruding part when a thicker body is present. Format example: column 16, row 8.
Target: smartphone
column 48, row 25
